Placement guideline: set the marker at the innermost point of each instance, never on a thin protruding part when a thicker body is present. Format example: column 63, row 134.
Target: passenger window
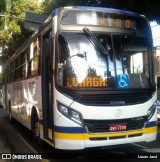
column 34, row 58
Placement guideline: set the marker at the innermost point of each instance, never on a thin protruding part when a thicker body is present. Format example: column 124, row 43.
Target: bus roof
column 104, row 9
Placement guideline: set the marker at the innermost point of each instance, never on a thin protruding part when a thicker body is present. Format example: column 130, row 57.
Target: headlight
column 70, row 113
column 151, row 111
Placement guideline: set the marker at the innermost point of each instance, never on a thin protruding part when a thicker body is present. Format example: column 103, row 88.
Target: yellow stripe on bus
column 151, row 130
column 49, row 129
column 68, row 136
column 78, row 136
column 86, row 136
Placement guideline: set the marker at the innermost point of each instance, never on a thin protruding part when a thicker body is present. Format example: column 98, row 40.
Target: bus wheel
column 36, row 128
column 10, row 113
column 36, row 131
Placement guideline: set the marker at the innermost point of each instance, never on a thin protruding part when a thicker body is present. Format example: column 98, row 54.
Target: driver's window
column 139, row 70
column 136, row 63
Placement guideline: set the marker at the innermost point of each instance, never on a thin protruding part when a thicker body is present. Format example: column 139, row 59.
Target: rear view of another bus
column 105, row 87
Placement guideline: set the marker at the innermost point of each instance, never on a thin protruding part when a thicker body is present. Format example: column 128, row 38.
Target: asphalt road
column 11, row 142
column 16, row 139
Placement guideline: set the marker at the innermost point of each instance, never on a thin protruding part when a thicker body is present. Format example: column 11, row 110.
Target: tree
column 2, row 6
column 2, row 9
column 13, row 34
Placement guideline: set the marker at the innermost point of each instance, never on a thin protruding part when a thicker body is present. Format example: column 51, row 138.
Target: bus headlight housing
column 70, row 113
column 151, row 111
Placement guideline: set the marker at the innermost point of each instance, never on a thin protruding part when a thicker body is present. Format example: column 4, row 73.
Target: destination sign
column 118, row 23
column 103, row 18
column 87, row 82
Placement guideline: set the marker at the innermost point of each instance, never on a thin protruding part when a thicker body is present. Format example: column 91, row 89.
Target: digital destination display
column 103, row 18
column 117, row 23
column 87, row 82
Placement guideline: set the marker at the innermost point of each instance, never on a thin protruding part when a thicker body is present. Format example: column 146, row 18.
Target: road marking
column 28, row 145
column 139, row 145
column 152, row 150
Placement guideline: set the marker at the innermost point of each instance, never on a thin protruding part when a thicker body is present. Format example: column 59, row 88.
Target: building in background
column 156, row 42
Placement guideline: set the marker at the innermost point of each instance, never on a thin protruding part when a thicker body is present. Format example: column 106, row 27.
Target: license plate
column 117, row 127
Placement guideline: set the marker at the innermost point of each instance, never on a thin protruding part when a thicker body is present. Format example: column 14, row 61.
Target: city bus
column 85, row 79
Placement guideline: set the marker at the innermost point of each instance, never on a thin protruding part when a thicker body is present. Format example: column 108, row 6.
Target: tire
column 36, row 131
column 10, row 113
column 35, row 127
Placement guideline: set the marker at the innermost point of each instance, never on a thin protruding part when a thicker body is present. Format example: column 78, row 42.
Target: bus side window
column 34, row 58
column 12, row 71
column 24, row 64
column 18, row 73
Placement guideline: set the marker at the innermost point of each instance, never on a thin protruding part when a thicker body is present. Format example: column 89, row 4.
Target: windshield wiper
column 93, row 39
column 96, row 42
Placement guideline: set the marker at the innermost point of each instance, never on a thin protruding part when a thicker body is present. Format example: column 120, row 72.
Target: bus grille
column 113, row 99
column 102, row 126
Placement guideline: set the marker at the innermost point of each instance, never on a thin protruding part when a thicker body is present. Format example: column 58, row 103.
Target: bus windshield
column 83, row 64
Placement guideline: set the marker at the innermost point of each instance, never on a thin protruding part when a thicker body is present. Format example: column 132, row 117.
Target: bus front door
column 47, row 91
